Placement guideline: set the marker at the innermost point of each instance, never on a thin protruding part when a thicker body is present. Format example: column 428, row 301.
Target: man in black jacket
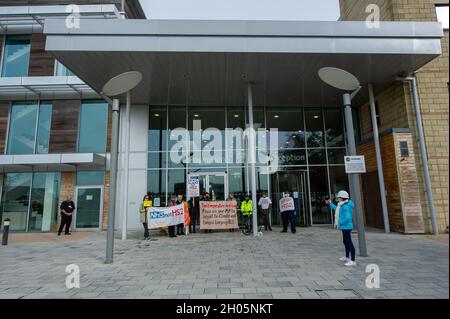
column 67, row 207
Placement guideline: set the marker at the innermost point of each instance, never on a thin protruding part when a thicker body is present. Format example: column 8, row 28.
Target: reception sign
column 286, row 204
column 165, row 216
column 218, row 215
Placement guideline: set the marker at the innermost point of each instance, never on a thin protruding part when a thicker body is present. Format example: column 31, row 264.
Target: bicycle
column 247, row 225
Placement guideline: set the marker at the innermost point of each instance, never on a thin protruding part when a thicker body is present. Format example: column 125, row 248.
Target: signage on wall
column 355, row 164
column 193, row 187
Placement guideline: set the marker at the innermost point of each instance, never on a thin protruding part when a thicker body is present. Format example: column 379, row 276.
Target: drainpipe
column 423, row 151
column 376, row 140
column 122, row 10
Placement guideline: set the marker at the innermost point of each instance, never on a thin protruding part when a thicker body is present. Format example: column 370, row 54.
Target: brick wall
column 401, row 182
column 396, row 108
column 67, row 188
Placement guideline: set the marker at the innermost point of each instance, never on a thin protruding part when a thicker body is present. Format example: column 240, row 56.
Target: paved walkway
column 227, row 265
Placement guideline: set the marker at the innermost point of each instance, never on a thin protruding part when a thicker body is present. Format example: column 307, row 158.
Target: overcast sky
column 326, row 10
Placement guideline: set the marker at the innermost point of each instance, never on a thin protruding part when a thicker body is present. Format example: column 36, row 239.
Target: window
column 29, row 128
column 93, row 127
column 61, row 70
column 86, row 178
column 404, row 150
column 442, row 14
column 30, row 200
column 16, row 56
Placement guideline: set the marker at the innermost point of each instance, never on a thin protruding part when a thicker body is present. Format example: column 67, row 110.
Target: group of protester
column 343, row 217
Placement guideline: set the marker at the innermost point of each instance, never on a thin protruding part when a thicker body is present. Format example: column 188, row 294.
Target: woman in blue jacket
column 344, row 222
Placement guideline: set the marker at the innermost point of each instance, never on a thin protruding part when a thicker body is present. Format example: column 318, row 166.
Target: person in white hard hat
column 344, row 221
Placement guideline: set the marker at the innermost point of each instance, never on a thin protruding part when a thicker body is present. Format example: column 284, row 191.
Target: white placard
column 287, row 204
column 156, row 202
column 165, row 216
column 89, row 197
column 193, row 188
column 295, row 194
column 355, row 164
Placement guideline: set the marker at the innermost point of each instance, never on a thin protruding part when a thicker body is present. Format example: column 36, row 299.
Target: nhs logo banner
column 165, row 216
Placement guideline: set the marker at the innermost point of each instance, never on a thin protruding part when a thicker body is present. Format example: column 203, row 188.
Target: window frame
column 2, row 61
column 79, row 124
column 36, row 130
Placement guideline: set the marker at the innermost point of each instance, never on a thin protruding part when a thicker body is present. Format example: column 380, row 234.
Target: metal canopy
column 45, row 88
column 208, row 62
column 52, row 162
column 31, row 18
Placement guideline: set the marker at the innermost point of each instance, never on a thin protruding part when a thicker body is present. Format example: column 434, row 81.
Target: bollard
column 6, row 224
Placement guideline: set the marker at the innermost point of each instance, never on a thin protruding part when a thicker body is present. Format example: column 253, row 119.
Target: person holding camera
column 344, row 221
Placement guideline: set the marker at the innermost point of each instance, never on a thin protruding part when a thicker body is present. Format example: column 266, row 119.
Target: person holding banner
column 172, row 202
column 207, row 198
column 287, row 209
column 146, row 203
column 180, row 227
column 193, row 212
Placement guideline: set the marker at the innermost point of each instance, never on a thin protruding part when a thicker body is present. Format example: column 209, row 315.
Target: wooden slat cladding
column 108, row 131
column 4, row 112
column 64, row 128
column 401, row 182
column 41, row 62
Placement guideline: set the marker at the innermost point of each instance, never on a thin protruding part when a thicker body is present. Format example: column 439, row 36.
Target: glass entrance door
column 296, row 183
column 88, row 207
column 213, row 183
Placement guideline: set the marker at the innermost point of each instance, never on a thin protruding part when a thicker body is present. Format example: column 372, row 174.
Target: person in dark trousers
column 265, row 207
column 146, row 203
column 193, row 213
column 207, row 198
column 172, row 202
column 180, row 227
column 230, row 199
column 288, row 216
column 67, row 207
column 343, row 221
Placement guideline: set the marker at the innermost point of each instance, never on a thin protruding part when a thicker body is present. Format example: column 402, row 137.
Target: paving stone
column 227, row 265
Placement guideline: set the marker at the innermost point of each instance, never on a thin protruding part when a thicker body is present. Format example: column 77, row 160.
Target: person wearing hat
column 343, row 213
column 247, row 208
column 206, row 198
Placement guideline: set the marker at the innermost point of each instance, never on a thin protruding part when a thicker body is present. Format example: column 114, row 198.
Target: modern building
column 189, row 115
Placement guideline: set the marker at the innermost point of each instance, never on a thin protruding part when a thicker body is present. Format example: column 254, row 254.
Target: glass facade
column 29, row 128
column 194, row 141
column 16, row 56
column 61, row 70
column 93, row 127
column 30, row 200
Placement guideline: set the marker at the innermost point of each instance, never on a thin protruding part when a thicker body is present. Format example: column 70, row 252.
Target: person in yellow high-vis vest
column 247, row 208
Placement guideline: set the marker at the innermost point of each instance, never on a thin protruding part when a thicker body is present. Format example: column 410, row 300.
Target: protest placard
column 286, row 204
column 165, row 216
column 218, row 215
